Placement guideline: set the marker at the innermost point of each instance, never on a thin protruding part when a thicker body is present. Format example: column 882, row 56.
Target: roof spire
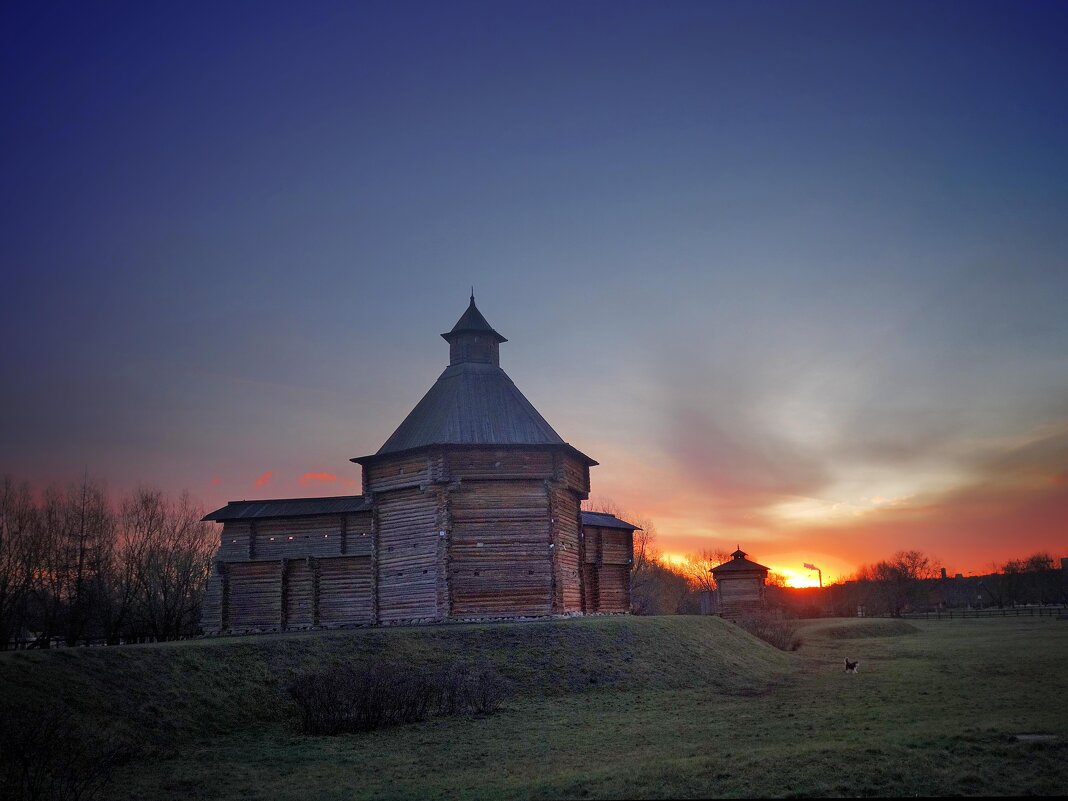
column 473, row 339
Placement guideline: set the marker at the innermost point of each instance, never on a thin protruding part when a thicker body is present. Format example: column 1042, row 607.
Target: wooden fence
column 958, row 614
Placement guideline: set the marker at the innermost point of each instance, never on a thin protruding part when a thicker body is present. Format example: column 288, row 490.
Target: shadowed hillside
column 204, row 687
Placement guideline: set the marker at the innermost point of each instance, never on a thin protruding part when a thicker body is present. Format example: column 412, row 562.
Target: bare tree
column 173, row 550
column 699, row 566
column 117, row 580
column 896, row 584
column 49, row 566
column 17, row 523
column 88, row 527
column 777, row 580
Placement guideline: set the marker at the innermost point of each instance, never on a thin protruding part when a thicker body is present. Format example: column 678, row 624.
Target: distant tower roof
column 739, row 564
column 472, row 321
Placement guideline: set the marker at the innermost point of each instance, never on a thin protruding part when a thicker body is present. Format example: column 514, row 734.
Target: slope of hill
column 168, row 691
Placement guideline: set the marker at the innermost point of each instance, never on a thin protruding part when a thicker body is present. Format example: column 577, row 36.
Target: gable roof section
column 604, row 520
column 289, row 507
column 472, row 404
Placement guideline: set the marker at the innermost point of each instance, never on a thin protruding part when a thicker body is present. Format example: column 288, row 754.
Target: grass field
column 610, row 707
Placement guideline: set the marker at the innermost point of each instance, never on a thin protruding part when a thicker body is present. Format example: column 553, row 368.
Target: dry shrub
column 464, row 689
column 45, row 754
column 776, row 631
column 350, row 698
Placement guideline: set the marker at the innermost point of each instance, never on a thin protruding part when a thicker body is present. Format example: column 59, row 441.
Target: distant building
column 740, row 586
column 469, row 510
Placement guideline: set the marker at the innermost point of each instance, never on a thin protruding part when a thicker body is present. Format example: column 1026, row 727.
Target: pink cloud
column 263, row 480
column 324, row 477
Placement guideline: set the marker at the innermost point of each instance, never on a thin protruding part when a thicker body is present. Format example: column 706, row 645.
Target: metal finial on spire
column 472, row 293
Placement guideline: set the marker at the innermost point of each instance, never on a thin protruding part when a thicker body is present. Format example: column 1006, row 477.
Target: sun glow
column 674, row 559
column 798, row 578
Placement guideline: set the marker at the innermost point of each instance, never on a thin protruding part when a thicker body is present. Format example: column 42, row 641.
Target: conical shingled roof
column 472, row 404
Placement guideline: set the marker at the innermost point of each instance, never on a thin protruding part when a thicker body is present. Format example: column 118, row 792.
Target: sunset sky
column 795, row 274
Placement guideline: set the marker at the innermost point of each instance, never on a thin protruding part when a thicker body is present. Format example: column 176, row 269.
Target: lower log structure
column 481, row 545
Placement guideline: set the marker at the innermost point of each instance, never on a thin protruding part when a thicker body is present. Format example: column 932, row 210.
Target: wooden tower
column 476, row 497
column 469, row 510
column 740, row 586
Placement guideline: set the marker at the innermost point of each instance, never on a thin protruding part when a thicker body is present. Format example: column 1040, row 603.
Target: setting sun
column 798, row 578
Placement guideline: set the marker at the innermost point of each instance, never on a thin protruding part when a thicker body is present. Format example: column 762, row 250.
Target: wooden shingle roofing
column 738, row 563
column 604, row 520
column 472, row 404
column 289, row 507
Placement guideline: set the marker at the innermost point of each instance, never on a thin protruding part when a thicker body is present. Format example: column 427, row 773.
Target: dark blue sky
column 767, row 262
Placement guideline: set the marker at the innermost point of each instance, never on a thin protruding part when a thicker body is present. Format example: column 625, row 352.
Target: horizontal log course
column 255, row 595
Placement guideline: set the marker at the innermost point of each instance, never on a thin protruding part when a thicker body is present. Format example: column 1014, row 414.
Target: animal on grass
column 851, row 667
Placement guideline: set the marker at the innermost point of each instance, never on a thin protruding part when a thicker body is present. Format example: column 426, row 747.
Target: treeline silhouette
column 910, row 582
column 77, row 567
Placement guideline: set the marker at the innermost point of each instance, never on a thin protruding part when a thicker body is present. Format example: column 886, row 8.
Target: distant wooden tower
column 469, row 510
column 740, row 586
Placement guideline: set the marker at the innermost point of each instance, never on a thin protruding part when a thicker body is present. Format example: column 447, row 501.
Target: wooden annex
column 740, row 586
column 470, row 510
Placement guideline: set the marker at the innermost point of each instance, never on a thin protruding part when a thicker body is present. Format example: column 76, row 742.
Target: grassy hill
column 670, row 707
column 214, row 686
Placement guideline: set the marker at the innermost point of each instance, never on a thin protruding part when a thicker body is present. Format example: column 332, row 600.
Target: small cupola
column 739, row 554
column 473, row 339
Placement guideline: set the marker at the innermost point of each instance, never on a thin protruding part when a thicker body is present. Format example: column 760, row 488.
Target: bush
column 464, row 690
column 776, row 631
column 349, row 698
column 44, row 754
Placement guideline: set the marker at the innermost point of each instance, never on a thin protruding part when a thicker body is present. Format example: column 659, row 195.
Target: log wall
column 400, row 472
column 740, row 596
column 344, row 591
column 606, row 565
column 299, row 590
column 500, row 562
column 234, row 541
column 407, row 543
column 296, row 537
column 211, row 608
column 495, row 464
column 567, row 550
column 255, row 590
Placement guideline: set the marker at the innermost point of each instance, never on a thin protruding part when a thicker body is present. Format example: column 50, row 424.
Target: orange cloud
column 263, row 480
column 324, row 477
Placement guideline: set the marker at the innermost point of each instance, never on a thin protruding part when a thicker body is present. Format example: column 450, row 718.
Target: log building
column 470, row 510
column 740, row 586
